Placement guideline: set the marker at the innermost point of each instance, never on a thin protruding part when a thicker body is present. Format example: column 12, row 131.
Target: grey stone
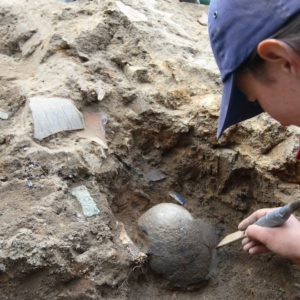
column 4, row 115
column 2, row 268
column 155, row 175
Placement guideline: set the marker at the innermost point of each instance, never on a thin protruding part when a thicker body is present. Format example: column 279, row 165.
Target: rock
column 4, row 115
column 2, row 268
column 100, row 94
column 181, row 248
column 203, row 19
column 138, row 73
column 134, row 251
column 155, row 175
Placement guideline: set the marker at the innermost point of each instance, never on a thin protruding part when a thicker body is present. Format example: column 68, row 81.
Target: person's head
column 257, row 48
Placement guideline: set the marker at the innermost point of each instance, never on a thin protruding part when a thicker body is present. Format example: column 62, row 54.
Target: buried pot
column 180, row 248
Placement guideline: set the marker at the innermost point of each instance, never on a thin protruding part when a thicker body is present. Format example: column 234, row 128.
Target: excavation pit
column 233, row 273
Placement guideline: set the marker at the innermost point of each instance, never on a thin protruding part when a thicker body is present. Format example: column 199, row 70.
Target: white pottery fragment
column 52, row 115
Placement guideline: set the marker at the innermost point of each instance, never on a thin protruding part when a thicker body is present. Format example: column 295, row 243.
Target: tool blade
column 230, row 238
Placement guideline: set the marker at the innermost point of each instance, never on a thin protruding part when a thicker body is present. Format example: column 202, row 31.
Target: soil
column 148, row 71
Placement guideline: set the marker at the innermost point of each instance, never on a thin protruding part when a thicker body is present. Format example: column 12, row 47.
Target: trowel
column 273, row 218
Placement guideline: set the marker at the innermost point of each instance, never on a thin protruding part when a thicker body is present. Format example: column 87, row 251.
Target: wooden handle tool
column 274, row 218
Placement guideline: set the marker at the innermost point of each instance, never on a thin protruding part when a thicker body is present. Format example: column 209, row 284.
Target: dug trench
column 218, row 188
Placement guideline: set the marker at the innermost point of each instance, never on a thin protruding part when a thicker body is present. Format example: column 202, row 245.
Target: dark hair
column 290, row 34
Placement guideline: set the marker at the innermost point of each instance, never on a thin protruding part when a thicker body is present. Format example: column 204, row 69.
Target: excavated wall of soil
column 147, row 67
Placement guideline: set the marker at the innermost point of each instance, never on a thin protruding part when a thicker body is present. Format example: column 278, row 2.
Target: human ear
column 276, row 51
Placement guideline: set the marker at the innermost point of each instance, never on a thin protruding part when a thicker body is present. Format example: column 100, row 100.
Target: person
column 256, row 45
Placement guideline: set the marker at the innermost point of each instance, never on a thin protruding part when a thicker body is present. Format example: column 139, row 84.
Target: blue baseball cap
column 235, row 29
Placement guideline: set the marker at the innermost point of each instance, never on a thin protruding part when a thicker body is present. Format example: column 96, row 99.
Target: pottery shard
column 52, row 115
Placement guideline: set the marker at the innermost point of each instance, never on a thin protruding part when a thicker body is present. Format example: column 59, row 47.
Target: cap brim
column 235, row 107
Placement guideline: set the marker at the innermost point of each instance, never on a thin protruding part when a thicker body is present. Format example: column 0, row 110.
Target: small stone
column 203, row 20
column 4, row 115
column 155, row 175
column 100, row 94
column 2, row 268
column 136, row 254
column 25, row 231
column 128, row 97
column 29, row 184
column 138, row 73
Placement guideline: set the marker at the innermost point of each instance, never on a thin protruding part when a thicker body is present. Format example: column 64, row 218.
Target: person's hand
column 283, row 240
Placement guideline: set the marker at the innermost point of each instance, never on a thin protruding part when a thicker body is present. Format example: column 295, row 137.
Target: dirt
column 152, row 78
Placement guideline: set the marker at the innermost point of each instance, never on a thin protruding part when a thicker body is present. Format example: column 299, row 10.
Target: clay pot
column 181, row 248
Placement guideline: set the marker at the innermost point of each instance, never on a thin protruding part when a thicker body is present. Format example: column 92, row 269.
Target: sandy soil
column 148, row 71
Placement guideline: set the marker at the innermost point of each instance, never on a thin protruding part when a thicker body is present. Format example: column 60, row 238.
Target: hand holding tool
column 274, row 218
